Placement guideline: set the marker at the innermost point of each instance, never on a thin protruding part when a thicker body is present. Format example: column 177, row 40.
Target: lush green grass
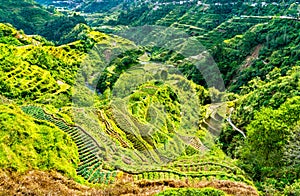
column 34, row 70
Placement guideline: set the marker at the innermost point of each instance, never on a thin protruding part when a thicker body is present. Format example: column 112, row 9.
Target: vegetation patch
column 34, row 144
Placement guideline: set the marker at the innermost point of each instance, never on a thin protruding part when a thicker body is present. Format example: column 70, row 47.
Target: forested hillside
column 149, row 97
column 237, row 34
column 32, row 18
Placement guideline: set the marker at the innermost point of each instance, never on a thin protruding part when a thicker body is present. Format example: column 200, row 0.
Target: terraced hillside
column 36, row 70
column 92, row 168
column 143, row 108
column 133, row 140
column 192, row 16
column 137, row 141
column 132, row 149
column 39, row 84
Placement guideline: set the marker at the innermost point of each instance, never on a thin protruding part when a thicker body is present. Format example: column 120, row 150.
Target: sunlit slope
column 29, row 144
column 132, row 119
column 35, row 70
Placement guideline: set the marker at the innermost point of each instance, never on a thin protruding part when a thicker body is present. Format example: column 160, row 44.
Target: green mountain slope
column 245, row 40
column 258, row 51
column 40, row 62
column 32, row 18
column 268, row 113
column 33, row 144
column 144, row 108
column 108, row 151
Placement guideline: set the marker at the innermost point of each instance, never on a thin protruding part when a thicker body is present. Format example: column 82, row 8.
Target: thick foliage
column 269, row 114
column 34, row 19
column 32, row 144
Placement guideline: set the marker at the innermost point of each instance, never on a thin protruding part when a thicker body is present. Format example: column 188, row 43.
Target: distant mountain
column 232, row 31
column 24, row 15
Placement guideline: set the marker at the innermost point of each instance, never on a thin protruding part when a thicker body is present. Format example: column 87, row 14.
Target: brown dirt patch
column 252, row 57
column 53, row 183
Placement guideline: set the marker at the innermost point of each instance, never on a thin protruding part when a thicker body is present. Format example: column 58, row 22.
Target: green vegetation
column 192, row 192
column 119, row 105
column 34, row 144
column 90, row 166
column 33, row 19
column 235, row 39
column 112, row 72
column 34, row 73
column 292, row 189
column 269, row 114
column 258, row 51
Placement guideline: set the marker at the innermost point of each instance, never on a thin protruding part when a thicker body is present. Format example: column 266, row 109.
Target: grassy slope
column 41, row 63
column 32, row 144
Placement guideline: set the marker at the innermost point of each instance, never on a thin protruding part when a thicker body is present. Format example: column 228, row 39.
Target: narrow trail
column 232, row 125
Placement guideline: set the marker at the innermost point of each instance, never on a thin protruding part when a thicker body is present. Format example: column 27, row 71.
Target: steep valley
column 149, row 98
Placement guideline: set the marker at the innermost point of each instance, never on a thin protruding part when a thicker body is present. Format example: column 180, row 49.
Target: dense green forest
column 149, row 97
column 32, row 18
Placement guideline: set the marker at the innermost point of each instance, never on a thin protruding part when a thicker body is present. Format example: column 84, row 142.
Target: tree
column 267, row 135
